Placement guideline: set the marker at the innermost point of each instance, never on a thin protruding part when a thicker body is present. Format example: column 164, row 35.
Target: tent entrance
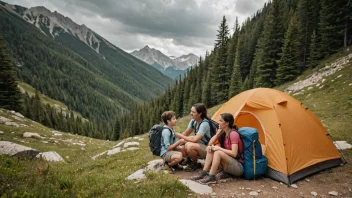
column 249, row 119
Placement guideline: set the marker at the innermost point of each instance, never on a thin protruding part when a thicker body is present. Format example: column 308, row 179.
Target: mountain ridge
column 152, row 55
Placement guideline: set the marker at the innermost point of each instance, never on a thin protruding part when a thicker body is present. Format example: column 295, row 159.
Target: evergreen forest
column 270, row 48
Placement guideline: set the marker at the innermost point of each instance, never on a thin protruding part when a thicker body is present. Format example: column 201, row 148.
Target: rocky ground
column 335, row 181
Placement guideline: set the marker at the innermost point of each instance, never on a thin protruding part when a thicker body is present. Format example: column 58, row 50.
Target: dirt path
column 336, row 179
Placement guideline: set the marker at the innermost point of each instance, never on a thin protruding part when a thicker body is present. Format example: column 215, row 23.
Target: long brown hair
column 227, row 117
column 201, row 108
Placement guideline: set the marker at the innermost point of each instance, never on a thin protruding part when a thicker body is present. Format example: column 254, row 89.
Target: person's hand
column 215, row 148
column 181, row 141
column 209, row 148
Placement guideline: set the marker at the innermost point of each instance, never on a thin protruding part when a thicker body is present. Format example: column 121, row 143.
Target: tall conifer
column 10, row 96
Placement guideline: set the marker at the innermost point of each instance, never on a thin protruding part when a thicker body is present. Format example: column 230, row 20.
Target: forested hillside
column 272, row 47
column 99, row 86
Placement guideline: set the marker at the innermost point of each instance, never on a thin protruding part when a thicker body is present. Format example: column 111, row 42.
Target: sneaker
column 222, row 175
column 191, row 167
column 209, row 179
column 200, row 175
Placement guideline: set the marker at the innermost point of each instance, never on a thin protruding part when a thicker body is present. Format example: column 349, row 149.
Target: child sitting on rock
column 168, row 153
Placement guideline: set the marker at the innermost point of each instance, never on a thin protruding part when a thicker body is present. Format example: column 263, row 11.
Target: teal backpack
column 255, row 164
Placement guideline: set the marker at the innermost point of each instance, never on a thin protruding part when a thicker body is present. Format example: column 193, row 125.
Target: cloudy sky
column 175, row 27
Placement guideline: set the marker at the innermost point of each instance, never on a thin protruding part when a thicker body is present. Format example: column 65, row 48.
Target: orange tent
column 293, row 139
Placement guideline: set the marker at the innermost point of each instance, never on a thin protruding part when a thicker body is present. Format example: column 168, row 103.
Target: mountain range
column 170, row 66
column 75, row 65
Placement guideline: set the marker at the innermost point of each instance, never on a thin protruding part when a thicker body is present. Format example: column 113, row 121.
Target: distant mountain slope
column 170, row 66
column 94, row 77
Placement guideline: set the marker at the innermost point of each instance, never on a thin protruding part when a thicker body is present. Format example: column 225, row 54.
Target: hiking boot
column 191, row 167
column 200, row 175
column 209, row 179
column 177, row 167
column 168, row 168
column 222, row 175
column 185, row 161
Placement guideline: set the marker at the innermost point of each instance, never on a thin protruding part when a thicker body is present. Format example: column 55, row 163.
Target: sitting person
column 196, row 145
column 168, row 143
column 225, row 153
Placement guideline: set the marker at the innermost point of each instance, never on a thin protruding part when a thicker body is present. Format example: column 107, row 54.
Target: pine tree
column 117, row 129
column 331, row 27
column 219, row 82
column 289, row 63
column 10, row 96
column 307, row 19
column 271, row 46
column 314, row 52
column 236, row 78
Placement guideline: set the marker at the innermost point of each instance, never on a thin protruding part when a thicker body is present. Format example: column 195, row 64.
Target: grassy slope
column 82, row 177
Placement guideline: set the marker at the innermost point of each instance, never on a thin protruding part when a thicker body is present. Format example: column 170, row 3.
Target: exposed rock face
column 12, row 149
column 318, row 77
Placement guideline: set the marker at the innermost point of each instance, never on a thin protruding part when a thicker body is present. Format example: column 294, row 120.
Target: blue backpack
column 255, row 164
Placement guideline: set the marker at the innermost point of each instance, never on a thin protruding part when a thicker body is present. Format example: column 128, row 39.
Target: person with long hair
column 196, row 145
column 226, row 152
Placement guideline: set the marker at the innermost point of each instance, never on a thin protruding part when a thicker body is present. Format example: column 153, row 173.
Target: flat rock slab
column 51, row 156
column 342, row 145
column 100, row 154
column 127, row 144
column 9, row 148
column 132, row 149
column 155, row 165
column 119, row 144
column 32, row 135
column 138, row 175
column 114, row 151
column 197, row 187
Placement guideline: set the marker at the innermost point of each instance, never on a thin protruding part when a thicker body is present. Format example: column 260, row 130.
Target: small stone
column 307, row 180
column 313, row 193
column 243, row 194
column 294, row 186
column 333, row 193
column 339, row 76
column 248, row 189
column 1, row 132
column 259, row 191
column 213, row 194
column 281, row 183
column 332, row 80
column 350, row 189
column 350, row 84
column 253, row 193
column 274, row 187
column 309, row 88
column 262, row 186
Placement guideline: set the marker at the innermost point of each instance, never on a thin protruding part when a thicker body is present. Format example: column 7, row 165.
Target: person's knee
column 178, row 157
column 189, row 146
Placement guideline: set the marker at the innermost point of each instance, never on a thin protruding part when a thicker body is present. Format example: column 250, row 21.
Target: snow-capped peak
column 154, row 56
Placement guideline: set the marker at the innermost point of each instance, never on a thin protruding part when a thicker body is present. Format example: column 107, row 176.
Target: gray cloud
column 172, row 26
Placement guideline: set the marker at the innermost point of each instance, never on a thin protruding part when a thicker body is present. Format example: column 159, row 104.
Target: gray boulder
column 51, row 156
column 12, row 149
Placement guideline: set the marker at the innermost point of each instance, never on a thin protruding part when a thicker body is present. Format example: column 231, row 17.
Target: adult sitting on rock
column 196, row 145
column 226, row 152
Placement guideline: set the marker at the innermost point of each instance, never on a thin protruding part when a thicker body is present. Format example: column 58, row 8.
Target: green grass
column 80, row 176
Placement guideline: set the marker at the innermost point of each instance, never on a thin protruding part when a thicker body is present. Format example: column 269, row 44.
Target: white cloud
column 175, row 27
